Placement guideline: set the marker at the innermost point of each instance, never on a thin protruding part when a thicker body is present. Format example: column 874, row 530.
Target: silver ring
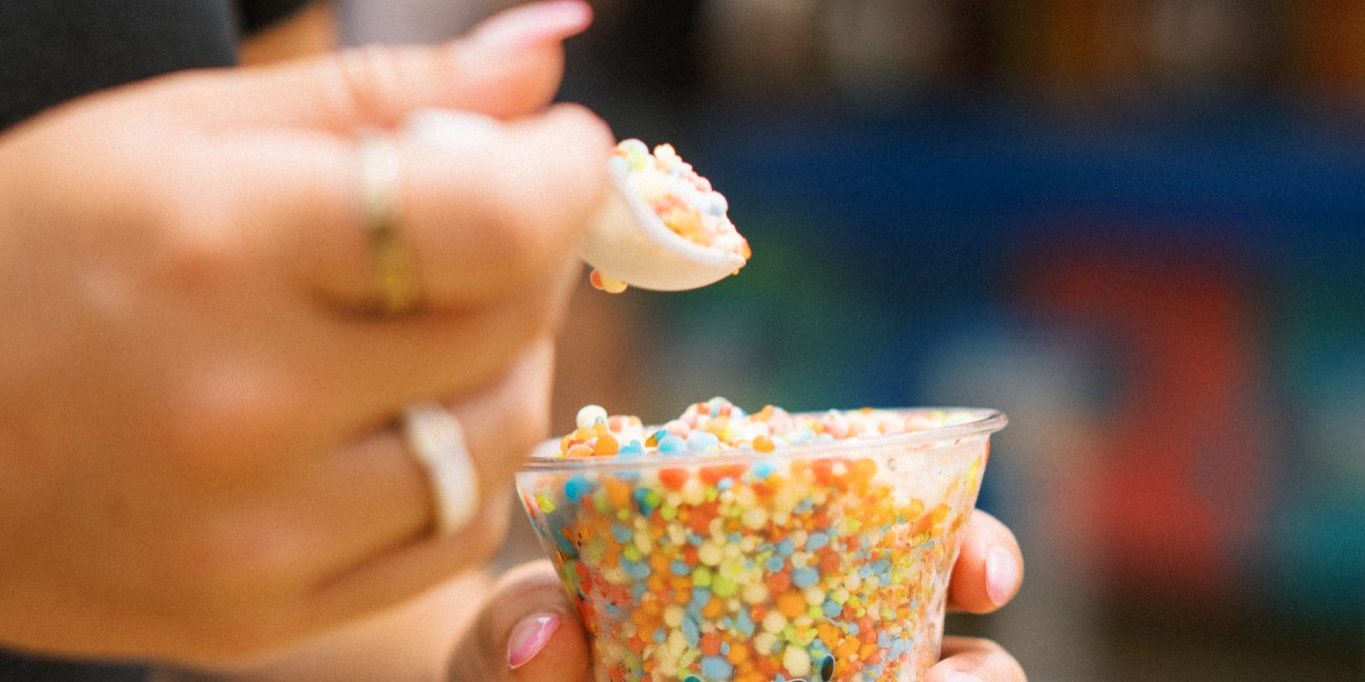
column 379, row 191
column 436, row 440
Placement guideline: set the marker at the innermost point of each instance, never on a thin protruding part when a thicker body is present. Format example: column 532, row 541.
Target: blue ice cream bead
column 700, row 441
column 672, row 445
column 638, row 570
column 716, row 668
column 576, row 488
column 805, row 577
column 744, row 624
column 762, row 470
column 691, row 631
column 644, row 500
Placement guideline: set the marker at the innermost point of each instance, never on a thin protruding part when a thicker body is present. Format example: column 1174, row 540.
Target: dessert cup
column 814, row 561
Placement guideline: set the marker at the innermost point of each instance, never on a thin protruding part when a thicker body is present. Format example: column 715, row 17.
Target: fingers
column 507, row 67
column 490, row 222
column 525, row 632
column 501, row 427
column 479, row 214
column 483, row 211
column 968, row 659
column 392, row 363
column 409, row 642
column 990, row 568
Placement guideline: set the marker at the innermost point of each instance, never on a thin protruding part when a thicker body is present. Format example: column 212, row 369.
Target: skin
column 461, row 631
column 185, row 272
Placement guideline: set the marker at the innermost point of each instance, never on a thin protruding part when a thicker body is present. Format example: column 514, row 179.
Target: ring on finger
column 395, row 273
column 436, row 440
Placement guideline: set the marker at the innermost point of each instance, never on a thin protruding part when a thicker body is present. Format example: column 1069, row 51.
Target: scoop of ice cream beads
column 724, row 545
column 663, row 228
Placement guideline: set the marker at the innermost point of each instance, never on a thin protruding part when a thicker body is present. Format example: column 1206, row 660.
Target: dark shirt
column 52, row 51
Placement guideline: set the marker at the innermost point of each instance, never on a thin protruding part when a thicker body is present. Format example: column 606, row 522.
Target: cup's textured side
column 762, row 568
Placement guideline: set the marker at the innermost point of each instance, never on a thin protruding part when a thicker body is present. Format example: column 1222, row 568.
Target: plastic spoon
column 626, row 238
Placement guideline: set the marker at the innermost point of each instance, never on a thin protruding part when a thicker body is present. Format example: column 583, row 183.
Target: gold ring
column 395, row 272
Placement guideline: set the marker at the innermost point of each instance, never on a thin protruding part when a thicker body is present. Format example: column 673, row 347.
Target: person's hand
column 527, row 630
column 987, row 575
column 196, row 397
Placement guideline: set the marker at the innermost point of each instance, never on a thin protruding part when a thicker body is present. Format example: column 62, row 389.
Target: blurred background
column 1134, row 225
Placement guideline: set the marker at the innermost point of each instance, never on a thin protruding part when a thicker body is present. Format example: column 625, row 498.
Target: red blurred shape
column 1179, row 490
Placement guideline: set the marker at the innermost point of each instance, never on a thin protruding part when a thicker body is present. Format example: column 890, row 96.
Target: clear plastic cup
column 818, row 561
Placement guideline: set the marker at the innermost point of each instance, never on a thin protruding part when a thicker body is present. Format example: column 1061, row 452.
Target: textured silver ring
column 435, row 439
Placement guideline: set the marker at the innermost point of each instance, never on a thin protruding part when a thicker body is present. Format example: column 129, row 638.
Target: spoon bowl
column 628, row 240
column 625, row 238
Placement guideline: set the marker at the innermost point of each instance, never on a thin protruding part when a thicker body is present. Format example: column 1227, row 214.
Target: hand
column 195, row 403
column 987, row 575
column 527, row 630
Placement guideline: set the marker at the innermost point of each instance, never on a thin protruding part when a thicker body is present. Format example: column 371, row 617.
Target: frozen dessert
column 756, row 547
column 684, row 202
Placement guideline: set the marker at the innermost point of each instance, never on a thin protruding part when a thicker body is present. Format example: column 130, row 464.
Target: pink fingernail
column 534, row 23
column 529, row 637
column 1002, row 575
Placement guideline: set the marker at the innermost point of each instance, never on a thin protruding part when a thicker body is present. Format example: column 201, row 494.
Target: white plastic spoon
column 629, row 241
column 626, row 239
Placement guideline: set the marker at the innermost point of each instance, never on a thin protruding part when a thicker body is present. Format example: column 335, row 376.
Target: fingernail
column 529, row 637
column 534, row 23
column 1002, row 575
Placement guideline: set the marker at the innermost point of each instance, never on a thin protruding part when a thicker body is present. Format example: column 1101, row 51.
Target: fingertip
column 507, row 84
column 525, row 44
column 594, row 125
column 379, row 86
column 989, row 570
column 563, row 656
column 530, row 636
column 1003, row 575
column 537, row 651
column 495, row 207
column 573, row 144
column 533, row 24
column 973, row 659
column 596, row 141
column 575, row 128
column 944, row 673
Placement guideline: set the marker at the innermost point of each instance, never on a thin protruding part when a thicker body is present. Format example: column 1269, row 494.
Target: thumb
column 507, row 67
column 526, row 632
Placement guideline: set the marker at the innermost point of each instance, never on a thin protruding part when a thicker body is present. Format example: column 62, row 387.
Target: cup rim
column 984, row 421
